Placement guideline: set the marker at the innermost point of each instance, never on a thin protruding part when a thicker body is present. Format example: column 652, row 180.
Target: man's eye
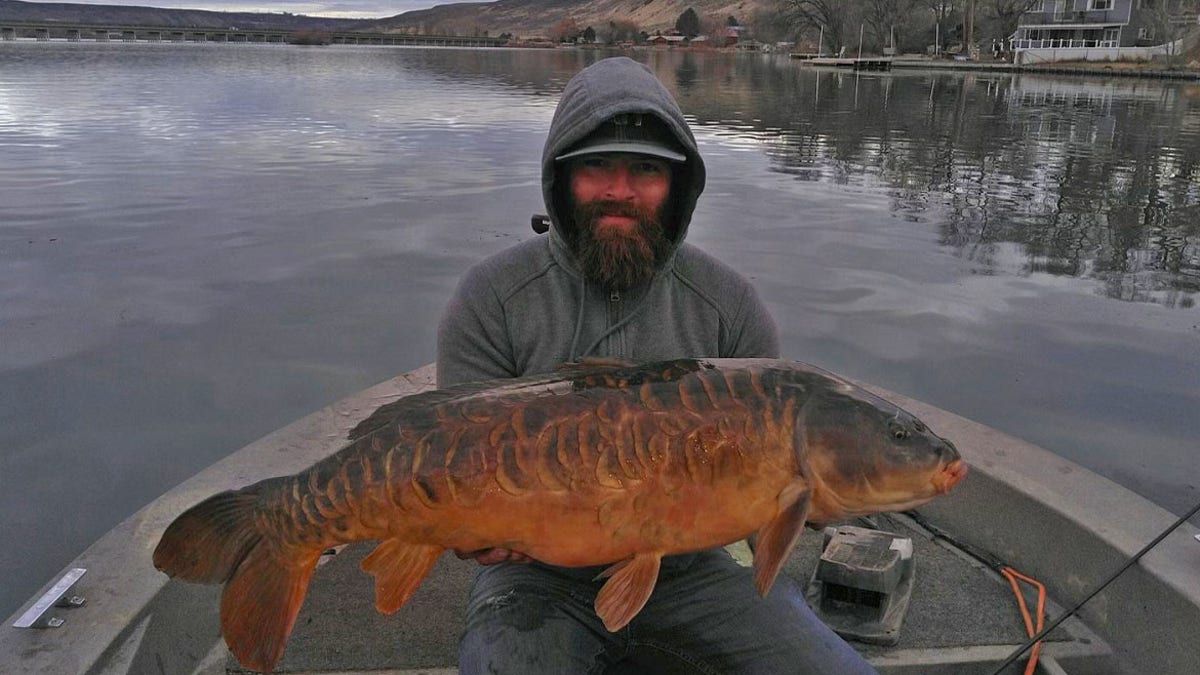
column 649, row 168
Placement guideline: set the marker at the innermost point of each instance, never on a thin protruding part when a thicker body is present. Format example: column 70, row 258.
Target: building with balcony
column 1100, row 30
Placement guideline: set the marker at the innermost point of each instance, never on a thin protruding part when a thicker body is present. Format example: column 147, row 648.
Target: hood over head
column 609, row 88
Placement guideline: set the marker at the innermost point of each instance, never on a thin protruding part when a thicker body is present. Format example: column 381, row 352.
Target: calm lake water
column 200, row 244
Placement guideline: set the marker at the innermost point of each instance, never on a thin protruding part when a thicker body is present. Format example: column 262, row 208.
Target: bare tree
column 1165, row 21
column 1004, row 15
column 832, row 17
column 770, row 25
column 566, row 30
column 713, row 30
column 618, row 31
column 888, row 18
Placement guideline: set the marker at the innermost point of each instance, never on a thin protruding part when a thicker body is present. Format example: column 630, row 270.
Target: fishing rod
column 1129, row 563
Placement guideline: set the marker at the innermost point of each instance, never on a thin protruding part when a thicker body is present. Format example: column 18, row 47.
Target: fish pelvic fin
column 207, row 542
column 630, row 583
column 261, row 601
column 398, row 568
column 776, row 539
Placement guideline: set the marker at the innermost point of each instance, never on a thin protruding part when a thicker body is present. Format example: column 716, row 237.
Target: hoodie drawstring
column 579, row 319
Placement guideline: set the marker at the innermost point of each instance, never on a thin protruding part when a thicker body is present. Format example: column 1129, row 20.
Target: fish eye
column 898, row 432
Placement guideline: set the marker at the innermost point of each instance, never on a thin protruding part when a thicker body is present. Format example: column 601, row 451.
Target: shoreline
column 1067, row 67
column 1106, row 71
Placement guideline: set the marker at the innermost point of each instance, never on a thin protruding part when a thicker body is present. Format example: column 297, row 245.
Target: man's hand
column 491, row 556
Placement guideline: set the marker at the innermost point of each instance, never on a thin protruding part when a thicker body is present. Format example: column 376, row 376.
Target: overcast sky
column 351, row 9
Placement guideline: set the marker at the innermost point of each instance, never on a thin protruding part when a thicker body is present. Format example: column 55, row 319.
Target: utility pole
column 969, row 26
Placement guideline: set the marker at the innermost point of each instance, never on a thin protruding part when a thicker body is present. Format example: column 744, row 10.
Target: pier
column 43, row 32
column 861, row 63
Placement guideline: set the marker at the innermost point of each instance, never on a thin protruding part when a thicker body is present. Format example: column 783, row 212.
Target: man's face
column 618, row 202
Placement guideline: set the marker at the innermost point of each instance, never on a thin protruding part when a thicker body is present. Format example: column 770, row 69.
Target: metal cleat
column 59, row 595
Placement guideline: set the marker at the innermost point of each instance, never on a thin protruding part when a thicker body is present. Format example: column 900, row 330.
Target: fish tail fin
column 207, row 542
column 219, row 540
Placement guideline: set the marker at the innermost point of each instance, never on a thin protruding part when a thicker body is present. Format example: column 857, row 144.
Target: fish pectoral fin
column 775, row 539
column 630, row 583
column 398, row 568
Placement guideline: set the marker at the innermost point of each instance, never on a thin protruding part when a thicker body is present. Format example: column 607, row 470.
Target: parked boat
column 1043, row 515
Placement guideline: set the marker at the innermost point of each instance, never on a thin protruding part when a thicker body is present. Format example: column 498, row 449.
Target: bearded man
column 621, row 174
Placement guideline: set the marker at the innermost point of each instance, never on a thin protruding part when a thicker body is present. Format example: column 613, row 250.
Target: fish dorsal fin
column 630, row 583
column 389, row 412
column 776, row 538
column 398, row 568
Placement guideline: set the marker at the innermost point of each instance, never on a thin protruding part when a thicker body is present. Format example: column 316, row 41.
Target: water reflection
column 1026, row 174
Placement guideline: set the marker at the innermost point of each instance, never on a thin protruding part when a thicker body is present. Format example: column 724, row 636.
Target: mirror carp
column 601, row 462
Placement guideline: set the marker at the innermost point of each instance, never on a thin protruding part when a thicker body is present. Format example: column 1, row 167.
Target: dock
column 887, row 63
column 863, row 63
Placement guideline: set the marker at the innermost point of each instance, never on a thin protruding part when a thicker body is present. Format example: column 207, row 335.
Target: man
column 620, row 176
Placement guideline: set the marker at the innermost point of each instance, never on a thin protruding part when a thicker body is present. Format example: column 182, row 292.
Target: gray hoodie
column 527, row 309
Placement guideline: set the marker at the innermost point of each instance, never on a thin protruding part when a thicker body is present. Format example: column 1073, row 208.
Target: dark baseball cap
column 638, row 133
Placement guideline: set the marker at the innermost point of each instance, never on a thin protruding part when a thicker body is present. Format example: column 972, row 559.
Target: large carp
column 598, row 463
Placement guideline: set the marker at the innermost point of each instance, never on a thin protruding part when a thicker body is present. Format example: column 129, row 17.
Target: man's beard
column 616, row 258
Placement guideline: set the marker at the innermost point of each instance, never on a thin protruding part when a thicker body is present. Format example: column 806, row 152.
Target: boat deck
column 963, row 619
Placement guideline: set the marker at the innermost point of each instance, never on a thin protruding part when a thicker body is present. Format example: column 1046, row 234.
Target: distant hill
column 518, row 17
column 538, row 17
column 14, row 10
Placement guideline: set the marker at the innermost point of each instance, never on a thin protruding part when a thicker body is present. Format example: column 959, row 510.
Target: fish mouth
column 949, row 476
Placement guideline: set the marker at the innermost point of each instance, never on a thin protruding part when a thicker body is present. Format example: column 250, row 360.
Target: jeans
column 706, row 617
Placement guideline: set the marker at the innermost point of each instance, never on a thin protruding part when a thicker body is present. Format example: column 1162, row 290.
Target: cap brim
column 626, row 146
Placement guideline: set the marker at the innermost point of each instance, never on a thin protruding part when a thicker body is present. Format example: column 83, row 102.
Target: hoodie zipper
column 614, row 315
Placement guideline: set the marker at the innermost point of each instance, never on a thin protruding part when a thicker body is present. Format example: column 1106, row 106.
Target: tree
column 731, row 21
column 770, row 25
column 828, row 17
column 565, row 31
column 888, row 18
column 1163, row 28
column 619, row 31
column 688, row 23
column 714, row 30
column 1001, row 17
column 589, row 34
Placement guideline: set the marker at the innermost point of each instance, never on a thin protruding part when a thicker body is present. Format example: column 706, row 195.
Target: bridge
column 45, row 31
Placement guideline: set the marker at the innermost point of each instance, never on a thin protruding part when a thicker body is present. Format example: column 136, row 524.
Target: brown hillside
column 529, row 18
column 127, row 15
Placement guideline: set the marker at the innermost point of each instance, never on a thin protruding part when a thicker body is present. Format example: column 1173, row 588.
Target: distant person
column 621, row 174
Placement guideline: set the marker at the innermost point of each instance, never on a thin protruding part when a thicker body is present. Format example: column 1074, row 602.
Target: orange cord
column 1012, row 575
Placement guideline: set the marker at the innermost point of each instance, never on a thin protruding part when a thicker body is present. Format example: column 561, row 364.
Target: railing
column 1099, row 16
column 1064, row 44
column 1185, row 19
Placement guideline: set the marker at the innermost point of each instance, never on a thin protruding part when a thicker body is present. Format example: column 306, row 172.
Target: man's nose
column 619, row 187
